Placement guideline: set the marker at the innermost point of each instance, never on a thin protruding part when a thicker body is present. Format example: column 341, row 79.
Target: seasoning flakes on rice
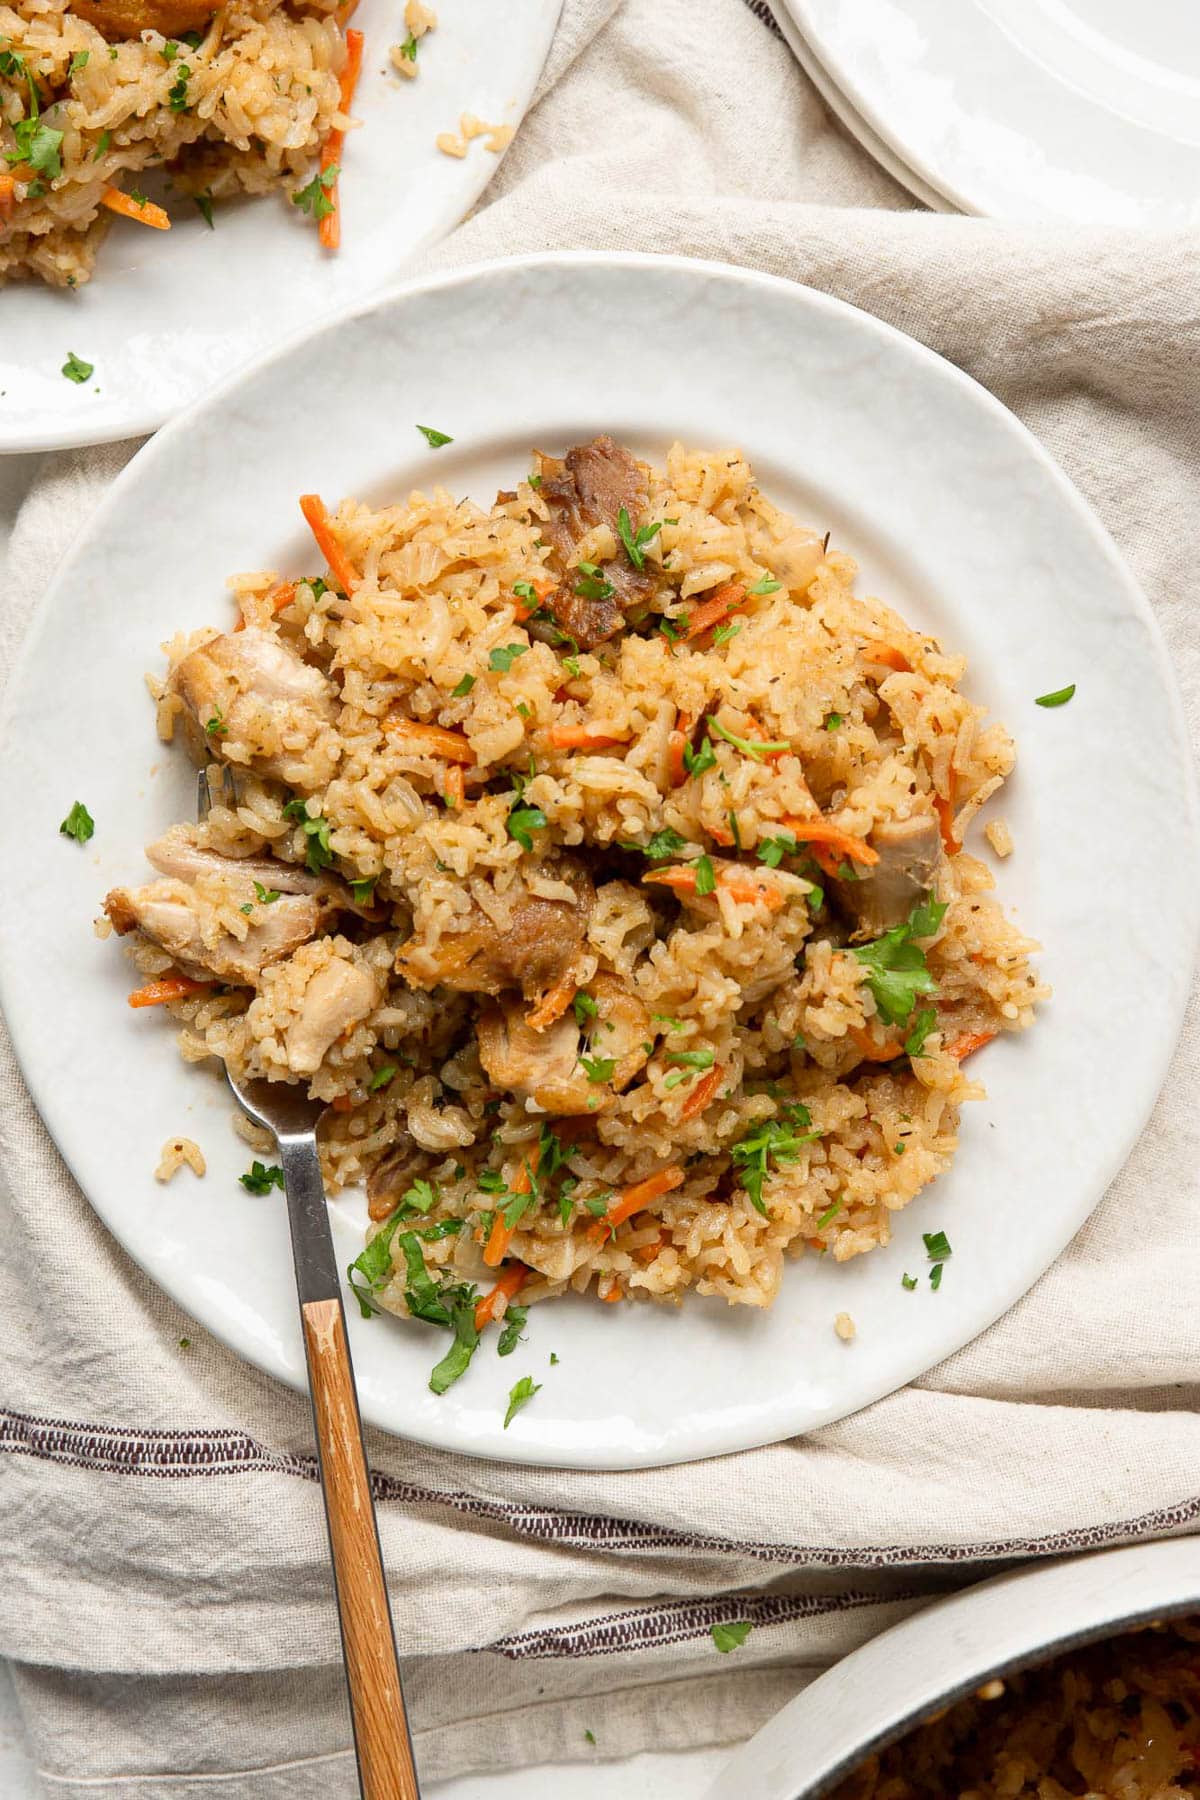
column 597, row 857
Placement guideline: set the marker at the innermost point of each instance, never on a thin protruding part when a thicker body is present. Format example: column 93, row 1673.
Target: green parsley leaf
column 313, row 198
column 1058, row 698
column 517, row 1205
column 773, row 850
column 457, row 1359
column 177, row 93
column 599, row 1068
column 525, row 590
column 565, row 1209
column 590, row 1736
column 248, row 908
column 706, row 880
column 364, row 891
column 748, row 746
column 908, row 1282
column 659, row 846
column 778, row 1140
column 264, row 895
column 204, row 207
column 597, row 1205
column 935, row 1276
column 572, row 666
column 504, row 658
column 693, row 1059
column 723, row 633
column 924, row 1022
column 260, row 1178
column 585, row 1009
column 169, row 51
column 593, row 586
column 435, row 439
column 317, row 854
column 75, row 369
column 937, row 1245
column 514, row 1325
column 78, row 61
column 635, row 541
column 78, row 824
column 421, row 1196
column 462, row 687
column 409, row 48
column 897, row 970
column 102, row 143
column 831, row 1213
column 137, row 196
column 728, row 1637
column 833, row 721
column 185, row 1343
column 216, row 726
column 520, row 1395
column 670, row 630
column 523, row 821
column 768, row 585
column 381, row 1077
column 697, row 761
column 553, row 1359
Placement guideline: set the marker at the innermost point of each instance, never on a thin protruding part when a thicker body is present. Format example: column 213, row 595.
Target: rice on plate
column 598, row 859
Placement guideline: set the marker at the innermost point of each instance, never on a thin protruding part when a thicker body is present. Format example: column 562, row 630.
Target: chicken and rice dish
column 1116, row 1721
column 598, row 859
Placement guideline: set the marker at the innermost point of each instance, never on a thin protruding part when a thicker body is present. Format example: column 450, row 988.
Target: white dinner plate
column 958, row 517
column 168, row 315
column 1071, row 110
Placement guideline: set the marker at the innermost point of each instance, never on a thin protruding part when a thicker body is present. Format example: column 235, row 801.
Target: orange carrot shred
column 943, row 806
column 824, row 832
column 336, row 560
column 330, row 229
column 431, row 740
column 646, row 1253
column 552, row 1005
column 582, row 737
column 869, row 1050
column 612, row 1294
column 343, row 1103
column 743, row 884
column 968, row 1043
column 501, row 1234
column 281, row 598
column 145, row 213
column 632, row 1199
column 8, row 193
column 454, row 789
column 710, row 612
column 510, row 1283
column 167, row 988
column 875, row 650
column 524, row 608
column 701, row 1094
column 676, row 745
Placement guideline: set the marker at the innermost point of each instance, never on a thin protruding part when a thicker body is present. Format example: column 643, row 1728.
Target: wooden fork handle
column 381, row 1734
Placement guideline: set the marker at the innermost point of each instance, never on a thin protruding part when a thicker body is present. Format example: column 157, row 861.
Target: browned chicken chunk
column 586, row 488
column 116, row 19
column 171, row 914
column 533, row 951
column 548, row 1066
column 909, row 853
column 250, row 700
column 337, row 997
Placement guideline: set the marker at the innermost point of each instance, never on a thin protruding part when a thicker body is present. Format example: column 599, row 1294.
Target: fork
column 382, row 1741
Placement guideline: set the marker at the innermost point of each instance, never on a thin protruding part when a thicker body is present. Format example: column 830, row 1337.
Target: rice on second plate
column 598, row 857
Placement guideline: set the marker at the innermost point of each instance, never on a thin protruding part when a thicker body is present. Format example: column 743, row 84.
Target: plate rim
column 729, row 1436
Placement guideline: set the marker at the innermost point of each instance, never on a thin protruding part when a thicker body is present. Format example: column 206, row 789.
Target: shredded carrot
column 501, row 1234
column 719, row 835
column 869, row 1050
column 430, row 740
column 454, row 787
column 145, row 214
column 743, row 884
column 646, row 1253
column 281, row 598
column 710, row 612
column 552, row 1005
column 525, row 609
column 343, row 1103
column 582, row 737
column 943, row 806
column 612, row 1295
column 330, row 229
column 701, row 1093
column 676, row 745
column 822, row 831
column 167, row 987
column 510, row 1283
column 336, row 560
column 875, row 650
column 632, row 1199
column 968, row 1044
column 8, row 195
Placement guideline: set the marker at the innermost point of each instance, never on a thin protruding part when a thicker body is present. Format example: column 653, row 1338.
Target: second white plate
column 957, row 516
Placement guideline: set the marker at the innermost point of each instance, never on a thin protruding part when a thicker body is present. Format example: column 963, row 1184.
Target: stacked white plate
column 1039, row 110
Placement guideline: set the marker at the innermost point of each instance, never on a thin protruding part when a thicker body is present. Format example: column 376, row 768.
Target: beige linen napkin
column 163, row 1576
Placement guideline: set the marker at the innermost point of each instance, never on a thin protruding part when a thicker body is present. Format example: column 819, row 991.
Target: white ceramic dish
column 168, row 315
column 878, row 1693
column 956, row 514
column 1071, row 110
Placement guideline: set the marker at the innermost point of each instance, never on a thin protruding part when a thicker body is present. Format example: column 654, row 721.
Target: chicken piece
column 533, row 951
column 178, row 853
column 117, row 19
column 393, row 1175
column 588, row 487
column 620, row 1030
column 247, row 692
column 883, row 896
column 546, row 1066
column 180, row 920
column 336, row 997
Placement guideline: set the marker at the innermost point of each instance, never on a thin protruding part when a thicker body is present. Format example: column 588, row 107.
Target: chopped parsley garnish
column 435, row 439
column 520, row 1395
column 409, row 48
column 778, row 1140
column 504, row 658
column 525, row 590
column 317, row 855
column 571, row 665
column 693, row 1059
column 925, row 1022
column 597, row 1205
column 204, row 207
column 706, row 879
column 599, row 1068
column 75, row 369
column 466, row 1337
column 553, row 1359
column 104, row 140
column 216, row 726
column 78, row 824
column 773, row 850
column 585, row 1009
column 314, row 199
column 137, row 196
column 831, row 1213
column 177, row 93
column 589, row 1737
column 381, row 1077
column 908, row 1282
column 697, row 761
column 748, row 746
column 1058, row 698
column 937, row 1245
column 514, row 1325
column 729, row 1637
column 768, row 585
column 37, row 145
column 523, row 821
column 169, row 51
column 896, row 968
column 593, row 585
column 462, row 687
column 670, row 631
column 659, row 846
column 264, row 895
column 635, row 541
column 260, row 1178
column 833, row 721
column 364, row 891
column 935, row 1276
column 78, row 61
column 723, row 633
